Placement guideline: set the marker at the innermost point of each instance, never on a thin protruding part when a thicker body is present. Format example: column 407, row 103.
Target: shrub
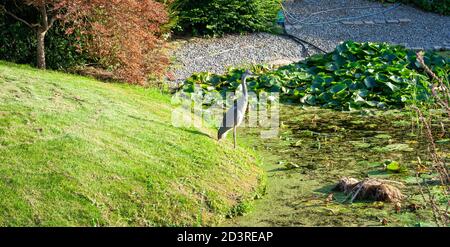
column 216, row 17
column 18, row 44
column 123, row 36
column 438, row 6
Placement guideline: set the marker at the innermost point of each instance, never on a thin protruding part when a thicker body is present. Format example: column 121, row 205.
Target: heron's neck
column 244, row 85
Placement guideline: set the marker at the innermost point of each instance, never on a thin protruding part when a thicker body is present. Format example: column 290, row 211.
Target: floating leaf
column 355, row 75
column 338, row 88
column 392, row 86
column 393, row 167
column 370, row 82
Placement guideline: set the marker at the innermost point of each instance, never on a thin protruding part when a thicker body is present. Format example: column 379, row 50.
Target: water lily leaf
column 353, row 76
column 395, row 79
column 392, row 86
column 338, row 88
column 393, row 167
column 370, row 82
column 302, row 75
column 442, row 141
column 383, row 136
column 359, row 99
column 394, row 148
column 308, row 99
column 331, row 66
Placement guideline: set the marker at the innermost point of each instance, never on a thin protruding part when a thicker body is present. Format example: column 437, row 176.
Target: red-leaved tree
column 124, row 35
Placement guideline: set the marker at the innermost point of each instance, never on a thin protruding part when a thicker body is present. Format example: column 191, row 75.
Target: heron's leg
column 234, row 136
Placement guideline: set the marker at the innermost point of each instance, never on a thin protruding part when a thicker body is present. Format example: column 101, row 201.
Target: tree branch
column 43, row 10
column 52, row 21
column 32, row 26
column 47, row 20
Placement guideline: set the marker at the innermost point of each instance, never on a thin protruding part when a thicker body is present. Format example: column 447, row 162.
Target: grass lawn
column 78, row 152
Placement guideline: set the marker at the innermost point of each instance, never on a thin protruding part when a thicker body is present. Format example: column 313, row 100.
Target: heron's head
column 247, row 73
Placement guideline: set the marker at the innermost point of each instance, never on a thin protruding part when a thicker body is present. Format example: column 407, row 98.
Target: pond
column 316, row 147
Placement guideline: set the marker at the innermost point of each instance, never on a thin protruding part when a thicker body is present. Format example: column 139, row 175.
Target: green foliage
column 438, row 6
column 18, row 44
column 355, row 75
column 216, row 17
column 393, row 166
column 64, row 51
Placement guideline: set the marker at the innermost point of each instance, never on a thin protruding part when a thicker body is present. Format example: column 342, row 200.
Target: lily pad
column 298, row 143
column 394, row 167
column 360, row 144
column 383, row 136
column 442, row 141
column 394, row 148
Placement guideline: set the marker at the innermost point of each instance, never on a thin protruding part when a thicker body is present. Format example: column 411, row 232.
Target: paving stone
column 425, row 29
column 281, row 62
column 416, row 48
column 392, row 21
column 380, row 21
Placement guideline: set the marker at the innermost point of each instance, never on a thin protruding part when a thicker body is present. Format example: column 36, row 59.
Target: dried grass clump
column 97, row 73
column 369, row 189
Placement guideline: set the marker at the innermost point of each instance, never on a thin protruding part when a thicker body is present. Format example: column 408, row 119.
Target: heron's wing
column 231, row 117
column 235, row 114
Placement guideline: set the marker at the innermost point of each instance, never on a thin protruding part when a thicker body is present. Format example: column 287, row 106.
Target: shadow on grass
column 198, row 133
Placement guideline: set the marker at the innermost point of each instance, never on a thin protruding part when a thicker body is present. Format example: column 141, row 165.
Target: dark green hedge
column 438, row 6
column 216, row 17
column 18, row 45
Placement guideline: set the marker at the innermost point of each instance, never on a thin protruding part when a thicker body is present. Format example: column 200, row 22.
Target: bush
column 125, row 36
column 437, row 6
column 122, row 37
column 216, row 17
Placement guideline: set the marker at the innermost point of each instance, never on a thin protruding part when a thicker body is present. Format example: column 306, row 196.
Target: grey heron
column 235, row 115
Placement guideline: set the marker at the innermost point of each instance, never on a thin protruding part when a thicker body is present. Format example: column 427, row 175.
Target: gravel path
column 400, row 25
column 216, row 54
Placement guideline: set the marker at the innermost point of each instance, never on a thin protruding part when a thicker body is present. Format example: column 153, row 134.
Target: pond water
column 316, row 147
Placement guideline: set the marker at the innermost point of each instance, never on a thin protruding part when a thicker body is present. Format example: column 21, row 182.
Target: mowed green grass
column 78, row 152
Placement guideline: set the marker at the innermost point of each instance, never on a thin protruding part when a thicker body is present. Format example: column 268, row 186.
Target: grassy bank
column 79, row 152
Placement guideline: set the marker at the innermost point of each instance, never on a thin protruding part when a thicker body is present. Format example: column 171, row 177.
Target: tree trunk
column 41, row 49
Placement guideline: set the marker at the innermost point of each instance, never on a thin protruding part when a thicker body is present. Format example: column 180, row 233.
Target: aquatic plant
column 353, row 76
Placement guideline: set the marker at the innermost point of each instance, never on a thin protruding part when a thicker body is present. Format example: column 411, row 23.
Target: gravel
column 403, row 25
column 217, row 54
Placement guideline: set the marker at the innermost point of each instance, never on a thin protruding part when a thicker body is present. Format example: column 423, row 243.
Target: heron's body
column 235, row 115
